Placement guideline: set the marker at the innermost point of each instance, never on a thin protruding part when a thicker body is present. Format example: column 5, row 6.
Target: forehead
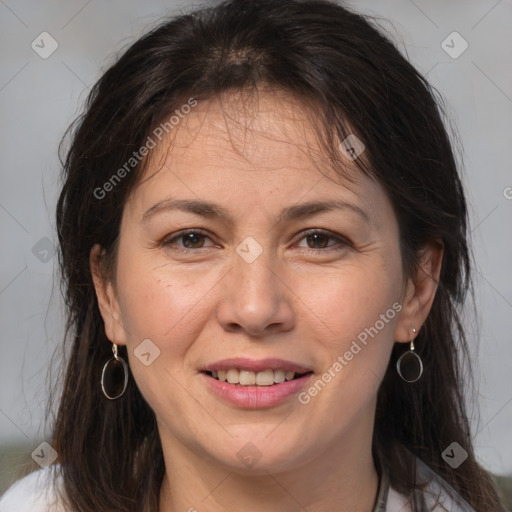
column 260, row 145
column 253, row 130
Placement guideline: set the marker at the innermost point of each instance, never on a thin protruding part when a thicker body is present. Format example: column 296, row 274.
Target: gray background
column 40, row 97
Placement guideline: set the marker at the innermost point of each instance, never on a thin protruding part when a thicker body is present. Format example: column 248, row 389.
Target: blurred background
column 54, row 51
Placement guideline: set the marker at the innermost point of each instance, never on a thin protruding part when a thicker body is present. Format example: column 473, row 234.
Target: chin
column 253, row 451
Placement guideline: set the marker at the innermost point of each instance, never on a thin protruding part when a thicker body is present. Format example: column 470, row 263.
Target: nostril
column 233, row 327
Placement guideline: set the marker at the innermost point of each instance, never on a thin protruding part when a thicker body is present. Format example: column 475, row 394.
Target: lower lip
column 257, row 397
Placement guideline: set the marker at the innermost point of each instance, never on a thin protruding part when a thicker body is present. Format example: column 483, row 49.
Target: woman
column 263, row 244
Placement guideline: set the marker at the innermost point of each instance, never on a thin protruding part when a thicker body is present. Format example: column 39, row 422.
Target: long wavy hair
column 346, row 71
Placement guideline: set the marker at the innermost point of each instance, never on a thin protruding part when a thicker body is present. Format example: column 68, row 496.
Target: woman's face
column 264, row 276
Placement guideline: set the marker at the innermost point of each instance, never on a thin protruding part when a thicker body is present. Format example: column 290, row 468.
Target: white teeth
column 233, row 376
column 279, row 376
column 265, row 378
column 248, row 378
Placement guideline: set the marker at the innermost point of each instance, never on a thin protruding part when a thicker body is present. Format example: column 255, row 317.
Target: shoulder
column 33, row 493
column 438, row 493
column 434, row 492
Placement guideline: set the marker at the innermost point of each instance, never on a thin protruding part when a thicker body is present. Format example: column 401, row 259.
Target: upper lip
column 256, row 365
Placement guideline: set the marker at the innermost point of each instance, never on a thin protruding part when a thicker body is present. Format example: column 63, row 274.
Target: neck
column 341, row 479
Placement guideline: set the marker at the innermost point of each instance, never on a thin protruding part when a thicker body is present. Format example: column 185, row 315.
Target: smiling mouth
column 264, row 378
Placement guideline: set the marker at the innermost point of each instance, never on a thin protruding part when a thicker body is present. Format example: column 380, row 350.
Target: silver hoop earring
column 409, row 365
column 114, row 377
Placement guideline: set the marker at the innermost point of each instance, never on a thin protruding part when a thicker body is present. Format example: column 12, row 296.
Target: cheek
column 168, row 308
column 353, row 312
column 149, row 300
column 346, row 302
column 163, row 303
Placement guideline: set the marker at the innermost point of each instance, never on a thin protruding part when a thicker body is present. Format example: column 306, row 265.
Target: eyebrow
column 212, row 210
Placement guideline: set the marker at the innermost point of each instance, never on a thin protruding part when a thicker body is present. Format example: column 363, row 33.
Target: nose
column 256, row 299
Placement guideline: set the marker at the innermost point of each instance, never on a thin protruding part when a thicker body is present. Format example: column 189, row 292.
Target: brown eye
column 192, row 239
column 318, row 240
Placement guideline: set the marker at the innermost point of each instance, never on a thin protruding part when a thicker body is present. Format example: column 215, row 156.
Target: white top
column 35, row 493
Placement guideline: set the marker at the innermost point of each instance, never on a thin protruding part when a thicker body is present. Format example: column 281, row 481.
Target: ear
column 107, row 300
column 420, row 292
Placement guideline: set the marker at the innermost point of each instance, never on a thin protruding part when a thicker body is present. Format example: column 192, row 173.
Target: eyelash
column 340, row 239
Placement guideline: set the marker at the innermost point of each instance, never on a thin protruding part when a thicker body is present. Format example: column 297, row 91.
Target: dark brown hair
column 357, row 80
